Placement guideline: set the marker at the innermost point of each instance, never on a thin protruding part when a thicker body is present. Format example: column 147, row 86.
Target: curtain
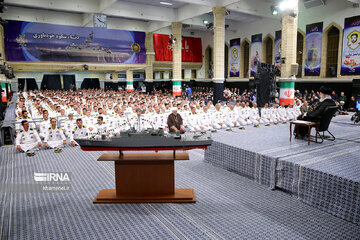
column 21, row 84
column 31, row 84
column 111, row 86
column 90, row 83
column 51, row 82
column 69, row 82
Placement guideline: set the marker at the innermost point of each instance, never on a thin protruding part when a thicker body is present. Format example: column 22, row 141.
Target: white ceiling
column 149, row 12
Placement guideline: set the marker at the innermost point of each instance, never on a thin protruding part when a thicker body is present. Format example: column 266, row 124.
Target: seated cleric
column 175, row 122
column 316, row 114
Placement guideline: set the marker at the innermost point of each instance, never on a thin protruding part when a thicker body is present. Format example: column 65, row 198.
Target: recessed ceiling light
column 166, row 3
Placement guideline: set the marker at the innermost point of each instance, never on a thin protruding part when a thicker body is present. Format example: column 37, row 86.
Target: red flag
column 191, row 48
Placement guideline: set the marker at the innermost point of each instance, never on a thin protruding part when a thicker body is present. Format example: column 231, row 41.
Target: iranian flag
column 4, row 91
column 287, row 90
column 129, row 86
column 177, row 88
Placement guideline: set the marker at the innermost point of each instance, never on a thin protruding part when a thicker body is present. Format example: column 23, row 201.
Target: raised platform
column 325, row 176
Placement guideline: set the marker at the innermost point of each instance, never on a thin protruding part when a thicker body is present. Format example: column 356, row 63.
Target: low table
column 307, row 124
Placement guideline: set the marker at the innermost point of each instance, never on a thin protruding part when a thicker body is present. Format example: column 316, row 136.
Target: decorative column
column 129, row 81
column 176, row 32
column 219, row 52
column 150, row 59
column 288, row 54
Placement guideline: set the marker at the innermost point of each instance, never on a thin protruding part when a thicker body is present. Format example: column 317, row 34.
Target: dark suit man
column 175, row 122
column 316, row 114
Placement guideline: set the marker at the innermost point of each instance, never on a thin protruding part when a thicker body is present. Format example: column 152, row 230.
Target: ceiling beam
column 138, row 11
column 87, row 6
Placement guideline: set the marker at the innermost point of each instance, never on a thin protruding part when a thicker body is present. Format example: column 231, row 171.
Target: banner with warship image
column 234, row 57
column 313, row 49
column 29, row 41
column 278, row 48
column 350, row 62
column 256, row 47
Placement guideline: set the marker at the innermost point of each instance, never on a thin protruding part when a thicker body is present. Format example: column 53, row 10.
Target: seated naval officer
column 55, row 137
column 80, row 131
column 218, row 117
column 27, row 139
column 69, row 125
column 44, row 124
column 175, row 122
column 316, row 114
column 193, row 121
column 24, row 116
column 254, row 116
column 231, row 117
column 101, row 127
column 265, row 115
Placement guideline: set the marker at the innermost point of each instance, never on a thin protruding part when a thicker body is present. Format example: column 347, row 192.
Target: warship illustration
column 145, row 140
column 87, row 49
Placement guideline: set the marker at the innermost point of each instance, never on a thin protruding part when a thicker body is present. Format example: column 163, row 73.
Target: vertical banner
column 129, row 86
column 350, row 62
column 3, row 92
column 177, row 88
column 278, row 49
column 234, row 57
column 256, row 47
column 313, row 49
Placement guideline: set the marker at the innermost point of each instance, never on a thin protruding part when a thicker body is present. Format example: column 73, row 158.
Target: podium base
column 185, row 195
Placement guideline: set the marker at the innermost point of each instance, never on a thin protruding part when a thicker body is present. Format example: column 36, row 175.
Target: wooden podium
column 145, row 178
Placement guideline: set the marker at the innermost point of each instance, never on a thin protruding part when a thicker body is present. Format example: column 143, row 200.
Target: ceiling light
column 166, row 3
column 274, row 10
column 287, row 5
column 205, row 22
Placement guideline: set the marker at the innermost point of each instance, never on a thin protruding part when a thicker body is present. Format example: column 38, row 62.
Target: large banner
column 313, row 49
column 256, row 41
column 278, row 49
column 350, row 62
column 234, row 57
column 28, row 41
column 191, row 48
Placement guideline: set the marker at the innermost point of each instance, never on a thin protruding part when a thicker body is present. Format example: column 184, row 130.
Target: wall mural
column 28, row 41
column 234, row 57
column 313, row 49
column 256, row 47
column 350, row 62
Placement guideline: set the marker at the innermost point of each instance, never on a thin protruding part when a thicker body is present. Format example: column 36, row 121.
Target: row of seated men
column 221, row 117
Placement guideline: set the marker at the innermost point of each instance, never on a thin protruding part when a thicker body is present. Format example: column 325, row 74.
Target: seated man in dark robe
column 175, row 122
column 316, row 114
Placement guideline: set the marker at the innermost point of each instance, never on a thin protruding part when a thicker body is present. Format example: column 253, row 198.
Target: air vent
column 313, row 3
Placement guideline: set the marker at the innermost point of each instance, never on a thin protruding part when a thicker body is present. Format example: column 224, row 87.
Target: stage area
column 229, row 206
column 325, row 176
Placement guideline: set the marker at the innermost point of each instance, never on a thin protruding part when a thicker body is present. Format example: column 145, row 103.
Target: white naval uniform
column 43, row 127
column 218, row 117
column 69, row 125
column 254, row 116
column 54, row 137
column 265, row 116
column 243, row 118
column 193, row 122
column 100, row 129
column 231, row 118
column 205, row 121
column 274, row 115
column 28, row 140
column 80, row 133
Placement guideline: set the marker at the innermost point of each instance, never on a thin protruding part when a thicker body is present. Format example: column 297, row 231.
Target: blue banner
column 256, row 47
column 350, row 62
column 235, row 57
column 313, row 49
column 28, row 41
column 278, row 49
